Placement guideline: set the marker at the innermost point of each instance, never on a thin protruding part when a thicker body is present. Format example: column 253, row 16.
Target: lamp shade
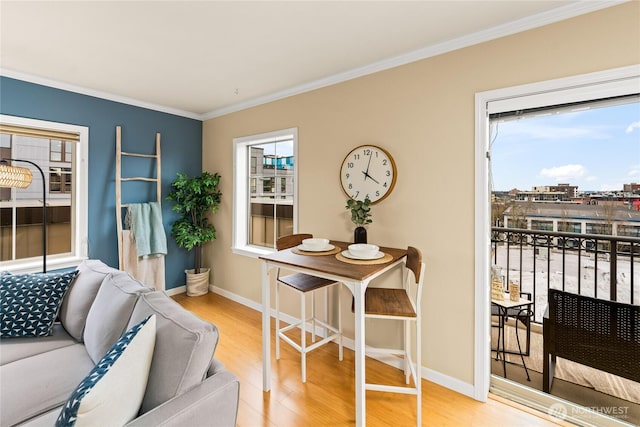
column 14, row 177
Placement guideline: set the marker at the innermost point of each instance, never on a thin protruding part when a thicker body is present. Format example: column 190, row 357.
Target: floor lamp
column 17, row 177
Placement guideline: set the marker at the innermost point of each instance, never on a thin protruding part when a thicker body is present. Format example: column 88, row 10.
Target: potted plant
column 194, row 198
column 360, row 215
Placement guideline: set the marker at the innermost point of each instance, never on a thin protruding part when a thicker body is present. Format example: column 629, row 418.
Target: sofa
column 185, row 385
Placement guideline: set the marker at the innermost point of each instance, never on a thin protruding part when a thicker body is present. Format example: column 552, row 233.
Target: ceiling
column 206, row 58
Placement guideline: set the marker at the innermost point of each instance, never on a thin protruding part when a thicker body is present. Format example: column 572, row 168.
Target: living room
column 421, row 111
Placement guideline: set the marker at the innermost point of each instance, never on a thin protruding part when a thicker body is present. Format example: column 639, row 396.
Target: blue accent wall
column 181, row 146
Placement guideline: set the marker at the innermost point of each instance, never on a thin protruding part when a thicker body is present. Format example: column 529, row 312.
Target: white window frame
column 80, row 204
column 598, row 85
column 241, row 169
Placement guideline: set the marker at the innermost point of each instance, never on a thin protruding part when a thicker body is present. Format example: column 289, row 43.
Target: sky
column 596, row 149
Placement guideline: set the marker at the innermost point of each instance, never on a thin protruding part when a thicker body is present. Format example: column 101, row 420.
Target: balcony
column 600, row 266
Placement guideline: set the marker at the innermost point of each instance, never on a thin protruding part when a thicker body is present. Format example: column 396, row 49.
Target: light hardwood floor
column 328, row 397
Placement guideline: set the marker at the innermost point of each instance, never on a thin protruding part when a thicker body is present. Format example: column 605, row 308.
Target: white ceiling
column 205, row 58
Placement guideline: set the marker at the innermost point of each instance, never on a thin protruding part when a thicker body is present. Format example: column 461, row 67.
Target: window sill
column 34, row 265
column 252, row 251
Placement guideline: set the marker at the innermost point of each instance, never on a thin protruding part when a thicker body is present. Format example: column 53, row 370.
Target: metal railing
column 595, row 265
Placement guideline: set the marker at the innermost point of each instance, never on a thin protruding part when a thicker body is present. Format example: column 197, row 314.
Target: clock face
column 368, row 170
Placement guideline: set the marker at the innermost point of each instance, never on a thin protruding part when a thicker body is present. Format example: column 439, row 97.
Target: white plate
column 306, row 249
column 348, row 254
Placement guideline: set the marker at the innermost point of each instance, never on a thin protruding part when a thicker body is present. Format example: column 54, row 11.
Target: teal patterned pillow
column 29, row 303
column 111, row 394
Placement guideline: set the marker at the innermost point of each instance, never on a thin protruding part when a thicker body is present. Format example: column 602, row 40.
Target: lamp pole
column 44, row 212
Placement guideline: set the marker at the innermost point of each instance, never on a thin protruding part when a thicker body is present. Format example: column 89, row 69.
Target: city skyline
column 596, row 149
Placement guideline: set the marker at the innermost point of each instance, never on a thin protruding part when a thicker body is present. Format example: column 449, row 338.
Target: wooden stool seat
column 388, row 302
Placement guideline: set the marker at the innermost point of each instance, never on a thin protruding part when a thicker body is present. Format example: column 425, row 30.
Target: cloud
column 564, row 173
column 632, row 126
column 634, row 171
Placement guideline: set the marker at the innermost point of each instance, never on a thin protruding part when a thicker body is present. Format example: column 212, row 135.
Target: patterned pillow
column 30, row 302
column 112, row 393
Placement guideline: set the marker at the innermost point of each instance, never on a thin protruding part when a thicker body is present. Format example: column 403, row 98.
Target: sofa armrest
column 214, row 402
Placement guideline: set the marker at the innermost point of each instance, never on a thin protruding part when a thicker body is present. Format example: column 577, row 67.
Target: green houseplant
column 360, row 216
column 194, row 198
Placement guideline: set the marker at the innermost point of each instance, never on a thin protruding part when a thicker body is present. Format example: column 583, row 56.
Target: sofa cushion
column 184, row 348
column 16, row 349
column 110, row 312
column 37, row 384
column 30, row 302
column 112, row 392
column 76, row 304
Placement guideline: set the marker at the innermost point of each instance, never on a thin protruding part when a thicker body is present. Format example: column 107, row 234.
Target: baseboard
column 178, row 290
column 426, row 373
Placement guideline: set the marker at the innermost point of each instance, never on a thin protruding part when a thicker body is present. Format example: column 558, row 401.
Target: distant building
column 570, row 190
column 574, row 218
column 542, row 196
column 631, row 188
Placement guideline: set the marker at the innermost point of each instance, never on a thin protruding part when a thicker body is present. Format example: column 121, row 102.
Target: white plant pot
column 197, row 284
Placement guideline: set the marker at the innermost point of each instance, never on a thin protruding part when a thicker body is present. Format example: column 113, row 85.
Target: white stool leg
column 277, row 320
column 340, row 352
column 313, row 316
column 419, row 369
column 407, row 349
column 303, row 337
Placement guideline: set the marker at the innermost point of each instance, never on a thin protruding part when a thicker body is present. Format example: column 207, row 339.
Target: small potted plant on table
column 194, row 198
column 360, row 216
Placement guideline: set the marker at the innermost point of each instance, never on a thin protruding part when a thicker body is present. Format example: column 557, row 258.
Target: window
column 60, row 180
column 61, row 151
column 265, row 202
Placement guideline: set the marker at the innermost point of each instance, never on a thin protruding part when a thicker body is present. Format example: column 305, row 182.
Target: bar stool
column 401, row 304
column 305, row 284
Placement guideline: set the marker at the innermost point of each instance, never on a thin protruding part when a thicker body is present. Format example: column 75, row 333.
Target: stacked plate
column 363, row 251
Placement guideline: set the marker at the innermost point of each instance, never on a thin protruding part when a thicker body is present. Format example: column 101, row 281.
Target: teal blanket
column 147, row 228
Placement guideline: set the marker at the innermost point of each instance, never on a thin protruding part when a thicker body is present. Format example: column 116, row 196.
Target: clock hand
column 366, row 173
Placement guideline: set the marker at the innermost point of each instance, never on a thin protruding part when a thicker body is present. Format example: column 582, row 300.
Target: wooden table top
column 329, row 264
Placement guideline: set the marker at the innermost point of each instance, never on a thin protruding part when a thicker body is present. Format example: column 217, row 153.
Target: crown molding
column 544, row 18
column 513, row 27
column 96, row 93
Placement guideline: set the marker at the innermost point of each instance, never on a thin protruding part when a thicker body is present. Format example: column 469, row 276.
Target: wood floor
column 328, row 397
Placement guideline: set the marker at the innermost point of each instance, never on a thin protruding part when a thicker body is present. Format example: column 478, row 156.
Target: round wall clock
column 368, row 170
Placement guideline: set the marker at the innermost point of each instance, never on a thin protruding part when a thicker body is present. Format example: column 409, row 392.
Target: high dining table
column 356, row 277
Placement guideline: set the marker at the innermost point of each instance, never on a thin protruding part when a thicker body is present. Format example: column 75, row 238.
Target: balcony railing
column 600, row 266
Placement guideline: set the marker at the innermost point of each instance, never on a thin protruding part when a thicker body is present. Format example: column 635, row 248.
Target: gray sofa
column 186, row 386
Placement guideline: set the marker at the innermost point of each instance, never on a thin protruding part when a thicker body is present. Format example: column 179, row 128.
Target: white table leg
column 266, row 329
column 358, row 293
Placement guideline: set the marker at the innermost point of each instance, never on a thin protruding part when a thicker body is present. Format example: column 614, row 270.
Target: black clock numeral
column 356, row 156
column 357, row 192
column 366, row 151
column 385, row 184
column 377, row 193
column 347, row 176
column 388, row 173
column 384, row 162
column 349, row 165
column 350, row 186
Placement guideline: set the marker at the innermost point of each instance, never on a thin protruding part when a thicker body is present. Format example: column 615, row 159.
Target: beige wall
column 423, row 113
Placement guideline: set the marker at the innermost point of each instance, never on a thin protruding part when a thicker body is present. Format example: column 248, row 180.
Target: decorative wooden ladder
column 120, row 180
